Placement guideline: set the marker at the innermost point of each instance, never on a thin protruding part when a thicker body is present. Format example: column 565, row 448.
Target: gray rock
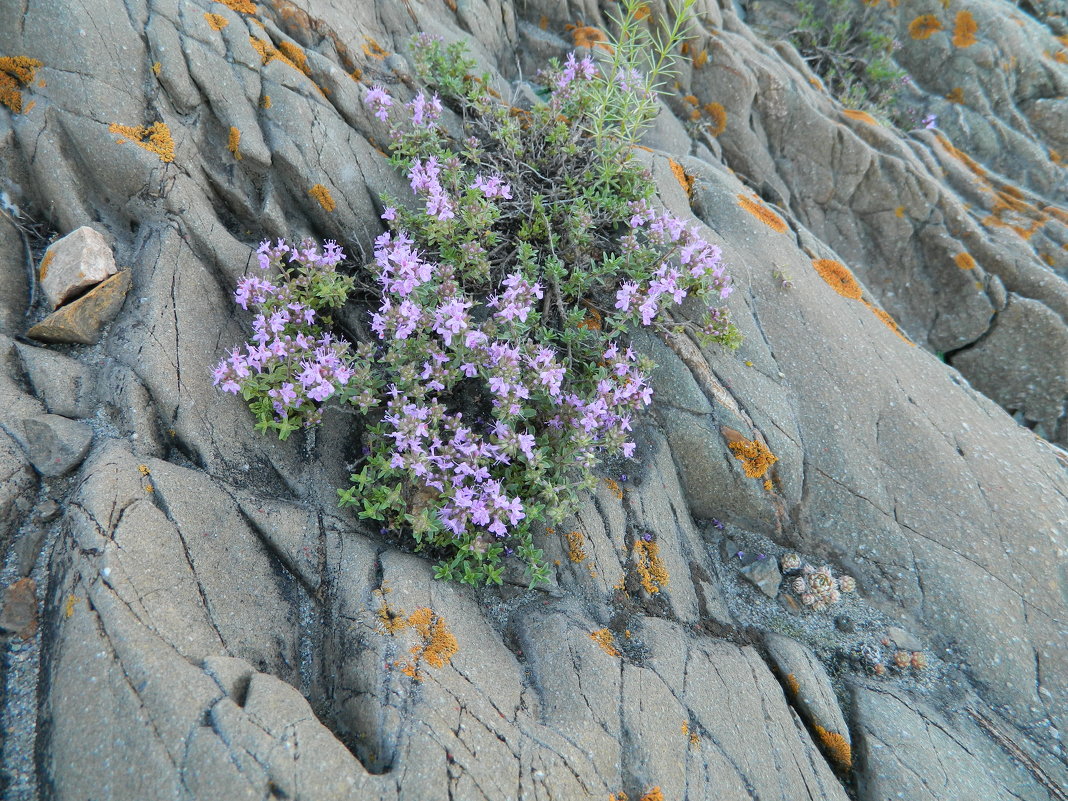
column 808, row 685
column 764, row 574
column 902, row 639
column 17, row 489
column 54, row 444
column 14, row 288
column 18, row 613
column 65, row 385
column 79, row 260
column 82, row 321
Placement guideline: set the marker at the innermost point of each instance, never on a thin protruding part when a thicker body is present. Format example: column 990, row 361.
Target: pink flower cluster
column 691, row 264
column 424, row 178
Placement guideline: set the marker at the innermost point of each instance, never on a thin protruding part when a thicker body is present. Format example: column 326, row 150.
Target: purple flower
column 930, row 121
column 379, row 99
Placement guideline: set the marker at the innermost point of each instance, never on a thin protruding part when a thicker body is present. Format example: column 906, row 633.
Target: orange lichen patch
column 762, row 213
column 1055, row 157
column 924, row 26
column 141, row 468
column 837, row 747
column 755, row 456
column 390, row 621
column 156, row 67
column 68, row 610
column 793, row 684
column 1057, row 213
column 216, row 21
column 266, row 103
column 965, row 261
column 888, row 321
column 240, row 6
column 15, row 72
column 155, row 138
column 691, row 99
column 700, row 59
column 588, row 36
column 642, row 11
column 322, row 194
column 651, row 570
column 956, row 95
column 685, row 180
column 1061, row 56
column 438, row 645
column 543, row 23
column 1026, row 232
column 575, row 552
column 899, row 211
column 1048, row 258
column 860, row 116
column 451, row 5
column 964, row 29
column 592, row 322
column 653, row 795
column 47, row 260
column 295, row 57
column 614, row 488
column 234, row 143
column 694, row 738
column 961, row 156
column 718, row 115
column 769, row 485
column 603, row 637
column 838, row 277
column 620, row 796
column 373, row 49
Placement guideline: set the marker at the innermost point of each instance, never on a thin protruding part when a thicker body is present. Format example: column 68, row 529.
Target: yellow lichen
column 438, row 644
column 68, row 610
column 964, row 29
column 691, row 99
column 266, row 101
column 860, row 116
column 769, row 485
column 762, row 213
column 685, row 180
column 240, row 6
column 793, row 684
column 642, row 12
column 373, row 49
column 1055, row 157
column 718, row 115
column 700, row 59
column 156, row 67
column 47, row 260
column 322, row 194
column 603, row 637
column 16, row 72
column 967, row 160
column 837, row 747
column 234, row 143
column 143, row 469
column 956, row 95
column 653, row 795
column 965, row 261
column 149, row 488
column 755, row 456
column 588, row 36
column 451, row 5
column 614, row 488
column 295, row 56
column 155, row 138
column 651, row 570
column 838, row 278
column 899, row 211
column 216, row 21
column 1061, row 56
column 924, row 26
column 620, row 796
column 575, row 552
column 888, row 321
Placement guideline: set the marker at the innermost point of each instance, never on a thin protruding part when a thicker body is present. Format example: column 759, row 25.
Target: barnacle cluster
column 818, row 588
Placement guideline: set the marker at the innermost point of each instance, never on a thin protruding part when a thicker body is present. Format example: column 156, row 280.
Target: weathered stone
column 74, row 263
column 807, row 683
column 16, row 488
column 902, row 639
column 764, row 574
column 19, row 612
column 82, row 321
column 14, row 288
column 56, row 445
column 65, row 385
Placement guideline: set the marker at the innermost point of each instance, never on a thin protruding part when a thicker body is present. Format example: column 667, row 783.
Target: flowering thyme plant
column 497, row 304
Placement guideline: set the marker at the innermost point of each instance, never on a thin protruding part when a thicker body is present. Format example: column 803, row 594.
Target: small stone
column 48, row 511
column 64, row 384
column 19, row 615
column 79, row 260
column 81, row 322
column 764, row 573
column 844, row 624
column 54, row 444
column 903, row 640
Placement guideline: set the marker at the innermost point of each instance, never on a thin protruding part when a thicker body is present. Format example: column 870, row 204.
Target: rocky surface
column 78, row 261
column 211, row 626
